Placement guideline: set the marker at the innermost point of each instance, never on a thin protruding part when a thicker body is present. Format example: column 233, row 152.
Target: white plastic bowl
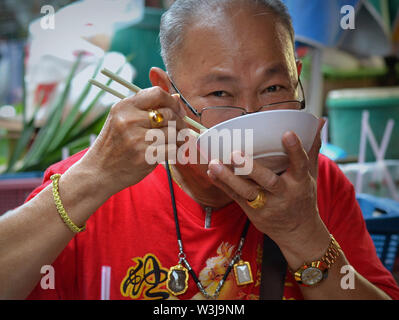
column 266, row 128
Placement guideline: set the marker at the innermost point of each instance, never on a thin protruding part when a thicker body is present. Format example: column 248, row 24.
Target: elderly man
column 207, row 241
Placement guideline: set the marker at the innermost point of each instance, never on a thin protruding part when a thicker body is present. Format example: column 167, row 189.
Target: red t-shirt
column 134, row 234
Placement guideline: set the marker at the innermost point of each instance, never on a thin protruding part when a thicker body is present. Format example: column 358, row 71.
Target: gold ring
column 156, row 118
column 259, row 201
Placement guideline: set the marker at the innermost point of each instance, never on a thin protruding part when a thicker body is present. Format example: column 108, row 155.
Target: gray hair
column 182, row 13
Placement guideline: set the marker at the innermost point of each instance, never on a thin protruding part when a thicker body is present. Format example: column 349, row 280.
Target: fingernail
column 210, row 175
column 215, row 167
column 238, row 157
column 290, row 139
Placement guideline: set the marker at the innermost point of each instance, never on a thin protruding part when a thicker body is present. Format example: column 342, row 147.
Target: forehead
column 236, row 41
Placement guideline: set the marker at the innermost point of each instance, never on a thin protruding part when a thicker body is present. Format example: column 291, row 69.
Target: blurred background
column 50, row 49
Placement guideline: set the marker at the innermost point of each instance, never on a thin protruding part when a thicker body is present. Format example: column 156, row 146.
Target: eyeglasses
column 211, row 116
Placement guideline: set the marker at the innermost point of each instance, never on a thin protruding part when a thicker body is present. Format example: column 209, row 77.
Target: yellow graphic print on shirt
column 147, row 278
column 214, row 271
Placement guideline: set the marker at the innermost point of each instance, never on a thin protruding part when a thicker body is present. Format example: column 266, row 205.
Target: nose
column 248, row 99
column 251, row 104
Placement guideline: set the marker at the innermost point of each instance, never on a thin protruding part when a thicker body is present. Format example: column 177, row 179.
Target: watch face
column 312, row 276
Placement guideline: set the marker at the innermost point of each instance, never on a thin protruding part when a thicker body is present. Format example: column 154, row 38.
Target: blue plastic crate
column 382, row 220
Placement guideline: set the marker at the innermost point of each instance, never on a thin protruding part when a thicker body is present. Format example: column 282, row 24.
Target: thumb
column 315, row 149
column 182, row 111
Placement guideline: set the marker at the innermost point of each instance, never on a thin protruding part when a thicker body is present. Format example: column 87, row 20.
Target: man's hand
column 290, row 216
column 118, row 155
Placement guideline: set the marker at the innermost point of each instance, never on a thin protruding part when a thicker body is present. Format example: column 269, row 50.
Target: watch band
column 332, row 253
column 321, row 266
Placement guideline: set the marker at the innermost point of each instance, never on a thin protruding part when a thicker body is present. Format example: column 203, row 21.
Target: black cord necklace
column 177, row 282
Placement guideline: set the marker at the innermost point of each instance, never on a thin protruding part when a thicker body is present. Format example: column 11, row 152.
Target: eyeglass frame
column 245, row 112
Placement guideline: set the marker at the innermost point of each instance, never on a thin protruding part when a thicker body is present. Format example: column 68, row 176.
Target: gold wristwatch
column 314, row 272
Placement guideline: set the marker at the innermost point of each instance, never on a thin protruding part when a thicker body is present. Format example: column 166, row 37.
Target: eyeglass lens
column 211, row 116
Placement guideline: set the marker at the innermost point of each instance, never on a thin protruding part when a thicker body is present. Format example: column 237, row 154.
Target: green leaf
column 83, row 116
column 24, row 139
column 57, row 133
column 68, row 123
column 47, row 132
column 22, row 144
column 51, row 157
column 94, row 127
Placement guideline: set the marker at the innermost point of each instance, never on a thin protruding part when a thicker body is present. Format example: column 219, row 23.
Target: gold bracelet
column 60, row 208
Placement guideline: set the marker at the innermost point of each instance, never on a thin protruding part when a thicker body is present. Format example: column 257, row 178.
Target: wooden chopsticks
column 107, row 89
column 120, row 80
column 135, row 89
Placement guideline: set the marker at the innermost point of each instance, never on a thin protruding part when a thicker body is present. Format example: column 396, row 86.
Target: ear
column 299, row 67
column 159, row 78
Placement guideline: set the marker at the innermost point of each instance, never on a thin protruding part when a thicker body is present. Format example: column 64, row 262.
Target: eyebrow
column 220, row 76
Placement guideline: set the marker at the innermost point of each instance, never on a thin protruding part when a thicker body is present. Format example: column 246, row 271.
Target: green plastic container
column 141, row 41
column 345, row 108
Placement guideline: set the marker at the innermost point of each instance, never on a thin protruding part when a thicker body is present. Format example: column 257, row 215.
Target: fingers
column 226, row 189
column 315, row 149
column 167, row 114
column 263, row 176
column 298, row 158
column 302, row 163
column 134, row 111
column 156, row 98
column 229, row 182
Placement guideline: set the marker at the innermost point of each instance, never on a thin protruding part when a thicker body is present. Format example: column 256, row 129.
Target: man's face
column 243, row 58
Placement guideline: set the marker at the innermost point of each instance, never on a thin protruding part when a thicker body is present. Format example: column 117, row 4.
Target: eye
column 219, row 94
column 275, row 88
